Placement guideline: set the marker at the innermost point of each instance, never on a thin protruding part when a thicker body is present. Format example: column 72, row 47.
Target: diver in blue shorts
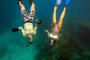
column 28, row 30
column 55, row 28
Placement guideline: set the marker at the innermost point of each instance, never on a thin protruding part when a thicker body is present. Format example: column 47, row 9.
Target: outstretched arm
column 36, row 26
column 17, row 29
column 22, row 30
column 47, row 33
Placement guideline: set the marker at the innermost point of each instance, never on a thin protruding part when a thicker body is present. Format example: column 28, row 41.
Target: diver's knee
column 33, row 4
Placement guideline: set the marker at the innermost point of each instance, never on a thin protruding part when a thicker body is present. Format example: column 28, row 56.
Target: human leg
column 31, row 12
column 21, row 5
column 59, row 25
column 23, row 11
column 54, row 17
column 32, row 5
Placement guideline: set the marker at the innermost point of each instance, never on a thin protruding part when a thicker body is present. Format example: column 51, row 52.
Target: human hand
column 59, row 35
column 46, row 30
column 20, row 28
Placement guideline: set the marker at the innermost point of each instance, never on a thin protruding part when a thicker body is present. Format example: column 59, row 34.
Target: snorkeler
column 28, row 30
column 55, row 28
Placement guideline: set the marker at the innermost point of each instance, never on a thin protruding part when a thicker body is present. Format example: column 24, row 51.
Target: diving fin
column 15, row 29
column 67, row 2
column 58, row 2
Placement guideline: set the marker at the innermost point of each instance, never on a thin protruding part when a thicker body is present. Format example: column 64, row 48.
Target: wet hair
column 30, row 40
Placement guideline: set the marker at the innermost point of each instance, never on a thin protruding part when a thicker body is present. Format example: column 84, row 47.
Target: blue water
column 75, row 31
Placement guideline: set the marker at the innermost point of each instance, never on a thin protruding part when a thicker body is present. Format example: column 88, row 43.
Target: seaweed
column 67, row 48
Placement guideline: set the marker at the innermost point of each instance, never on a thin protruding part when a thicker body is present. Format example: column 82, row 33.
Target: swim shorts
column 28, row 17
